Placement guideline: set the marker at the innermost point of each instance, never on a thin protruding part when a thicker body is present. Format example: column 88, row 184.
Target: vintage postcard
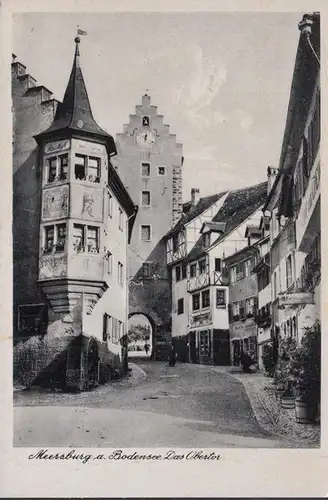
column 164, row 248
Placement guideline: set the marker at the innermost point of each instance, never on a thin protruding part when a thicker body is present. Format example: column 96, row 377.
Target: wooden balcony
column 206, row 279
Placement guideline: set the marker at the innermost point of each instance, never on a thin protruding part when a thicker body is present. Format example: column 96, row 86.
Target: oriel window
column 94, row 169
column 80, row 167
column 49, row 239
column 205, row 299
column 92, row 239
column 196, row 302
column 63, row 167
column 52, row 163
column 78, row 237
column 61, row 237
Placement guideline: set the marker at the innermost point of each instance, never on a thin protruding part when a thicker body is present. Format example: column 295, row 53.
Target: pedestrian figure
column 146, row 347
column 172, row 357
column 246, row 362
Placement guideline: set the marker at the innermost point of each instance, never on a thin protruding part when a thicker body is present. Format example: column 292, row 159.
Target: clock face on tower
column 145, row 138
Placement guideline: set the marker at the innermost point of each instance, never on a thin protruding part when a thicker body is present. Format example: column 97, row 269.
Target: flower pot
column 279, row 393
column 304, row 412
column 287, row 401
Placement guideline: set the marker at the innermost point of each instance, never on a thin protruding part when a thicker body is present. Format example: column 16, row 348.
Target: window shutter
column 105, row 323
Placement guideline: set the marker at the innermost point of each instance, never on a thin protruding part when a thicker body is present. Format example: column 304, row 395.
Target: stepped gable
column 195, row 211
column 238, row 206
column 75, row 113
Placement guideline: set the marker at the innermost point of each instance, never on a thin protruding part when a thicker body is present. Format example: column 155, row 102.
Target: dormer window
column 206, row 239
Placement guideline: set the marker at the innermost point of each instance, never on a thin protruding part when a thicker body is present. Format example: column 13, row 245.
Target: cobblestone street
column 156, row 406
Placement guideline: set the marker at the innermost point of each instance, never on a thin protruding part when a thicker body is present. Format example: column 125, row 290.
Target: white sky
column 221, row 80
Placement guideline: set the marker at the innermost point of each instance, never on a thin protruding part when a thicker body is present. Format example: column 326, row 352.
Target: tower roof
column 75, row 113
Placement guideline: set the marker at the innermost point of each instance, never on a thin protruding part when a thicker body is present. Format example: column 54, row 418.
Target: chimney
column 272, row 174
column 195, row 196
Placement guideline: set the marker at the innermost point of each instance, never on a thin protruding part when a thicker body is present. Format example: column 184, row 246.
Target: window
column 58, row 168
column 110, row 205
column 240, row 270
column 145, row 198
column 247, row 267
column 93, row 239
column 32, row 319
column 120, row 273
column 250, row 306
column 205, row 299
column 63, row 167
column 54, row 238
column 218, row 265
column 178, row 273
column 145, row 169
column 145, row 121
column 220, row 299
column 275, row 290
column 87, row 168
column 193, row 270
column 289, row 272
column 146, row 269
column 233, row 274
column 107, row 327
column 80, row 168
column 196, row 302
column 202, row 266
column 242, row 309
column 180, row 306
column 48, row 239
column 207, row 239
column 184, row 271
column 94, row 169
column 175, row 241
column 52, row 165
column 235, row 310
column 120, row 218
column 161, row 170
column 61, row 237
column 109, row 263
column 204, row 343
column 78, row 237
column 145, row 233
column 115, row 331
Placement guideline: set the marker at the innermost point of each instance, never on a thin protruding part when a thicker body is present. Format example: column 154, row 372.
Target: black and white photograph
column 166, row 230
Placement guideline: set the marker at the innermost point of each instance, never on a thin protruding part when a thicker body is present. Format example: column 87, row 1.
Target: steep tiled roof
column 195, row 211
column 75, row 112
column 237, row 207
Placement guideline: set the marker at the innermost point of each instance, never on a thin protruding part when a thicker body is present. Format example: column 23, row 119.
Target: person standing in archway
column 146, row 347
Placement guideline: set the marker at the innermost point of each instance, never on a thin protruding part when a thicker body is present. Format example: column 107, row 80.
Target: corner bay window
column 196, row 302
column 205, row 299
column 85, row 238
column 180, row 306
column 87, row 168
column 58, row 168
column 54, row 238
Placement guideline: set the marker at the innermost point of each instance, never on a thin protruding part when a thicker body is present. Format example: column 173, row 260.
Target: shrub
column 306, row 366
column 283, row 377
column 269, row 359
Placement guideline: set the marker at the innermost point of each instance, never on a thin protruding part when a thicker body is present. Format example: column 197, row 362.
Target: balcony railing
column 206, row 279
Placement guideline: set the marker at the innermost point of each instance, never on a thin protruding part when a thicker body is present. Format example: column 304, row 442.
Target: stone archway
column 141, row 335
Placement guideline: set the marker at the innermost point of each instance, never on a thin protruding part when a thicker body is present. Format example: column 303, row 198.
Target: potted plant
column 279, row 382
column 307, row 368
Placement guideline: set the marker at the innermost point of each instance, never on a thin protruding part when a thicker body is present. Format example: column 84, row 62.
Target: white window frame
column 120, row 277
column 110, row 205
column 161, row 166
column 88, row 177
column 55, row 238
column 85, row 238
column 248, row 267
column 58, row 173
column 233, row 274
column 141, row 201
column 207, row 290
column 120, row 219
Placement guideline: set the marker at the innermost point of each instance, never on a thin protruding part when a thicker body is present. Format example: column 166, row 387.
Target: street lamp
column 305, row 27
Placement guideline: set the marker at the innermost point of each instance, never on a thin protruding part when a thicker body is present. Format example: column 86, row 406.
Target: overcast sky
column 221, row 80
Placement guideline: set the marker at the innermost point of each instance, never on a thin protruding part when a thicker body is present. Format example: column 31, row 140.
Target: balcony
column 263, row 317
column 207, row 279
